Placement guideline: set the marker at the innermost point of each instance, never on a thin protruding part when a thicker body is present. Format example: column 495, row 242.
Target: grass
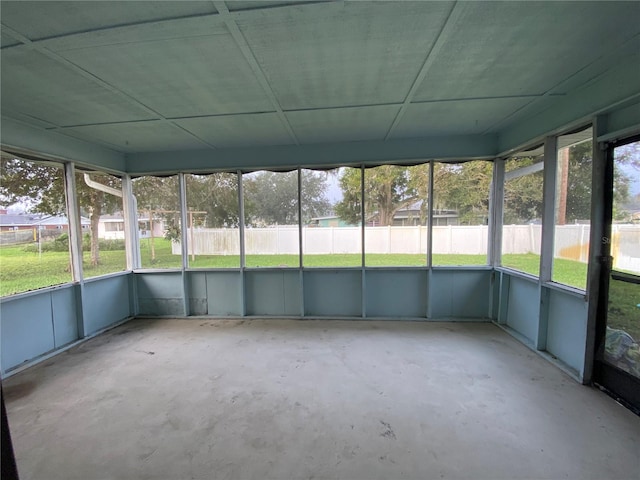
column 21, row 271
column 624, row 313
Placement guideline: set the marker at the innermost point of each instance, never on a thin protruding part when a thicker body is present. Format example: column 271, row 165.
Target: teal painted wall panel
column 333, row 293
column 197, row 282
column 224, row 293
column 523, row 307
column 160, row 293
column 65, row 315
column 105, row 302
column 396, row 293
column 460, row 293
column 26, row 328
column 273, row 292
column 567, row 328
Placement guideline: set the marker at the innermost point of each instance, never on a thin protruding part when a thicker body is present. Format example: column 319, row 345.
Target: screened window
column 213, row 216
column 271, row 232
column 332, row 218
column 461, row 212
column 396, row 212
column 522, row 212
column 34, row 227
column 573, row 209
column 159, row 225
column 103, row 245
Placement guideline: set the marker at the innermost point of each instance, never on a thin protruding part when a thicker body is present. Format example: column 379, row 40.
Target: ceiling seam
column 97, row 80
column 606, row 59
column 74, row 36
column 246, row 51
column 454, row 15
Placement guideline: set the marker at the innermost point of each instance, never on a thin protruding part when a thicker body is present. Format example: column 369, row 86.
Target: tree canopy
column 41, row 187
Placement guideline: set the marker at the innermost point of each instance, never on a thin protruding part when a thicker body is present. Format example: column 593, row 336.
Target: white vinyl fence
column 571, row 241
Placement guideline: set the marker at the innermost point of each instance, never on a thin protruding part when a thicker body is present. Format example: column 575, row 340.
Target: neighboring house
column 330, row 221
column 410, row 216
column 112, row 227
column 30, row 221
column 404, row 217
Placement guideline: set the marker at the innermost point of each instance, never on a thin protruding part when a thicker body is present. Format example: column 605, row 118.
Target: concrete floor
column 280, row 399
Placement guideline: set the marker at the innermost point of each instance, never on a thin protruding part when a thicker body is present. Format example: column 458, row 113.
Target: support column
column 601, row 181
column 75, row 241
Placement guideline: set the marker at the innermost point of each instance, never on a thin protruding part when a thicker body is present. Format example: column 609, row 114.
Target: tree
column 216, row 194
column 463, row 187
column 388, row 188
column 523, row 195
column 271, row 198
column 42, row 187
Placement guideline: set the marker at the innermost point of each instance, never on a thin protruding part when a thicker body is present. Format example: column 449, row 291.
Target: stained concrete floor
column 284, row 399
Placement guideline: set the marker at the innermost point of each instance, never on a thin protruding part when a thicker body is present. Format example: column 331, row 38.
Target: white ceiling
column 165, row 76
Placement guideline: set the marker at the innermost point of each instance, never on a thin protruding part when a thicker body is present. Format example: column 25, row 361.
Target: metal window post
column 130, row 211
column 75, row 224
column 362, row 240
column 549, row 207
column 496, row 206
column 243, row 263
column 184, row 247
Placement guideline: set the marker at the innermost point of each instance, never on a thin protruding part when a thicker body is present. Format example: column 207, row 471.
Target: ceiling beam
column 36, row 46
column 22, row 137
column 326, row 155
column 447, row 29
column 244, row 47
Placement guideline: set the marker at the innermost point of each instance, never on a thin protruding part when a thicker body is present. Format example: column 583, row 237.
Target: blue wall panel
column 399, row 293
column 567, row 328
column 460, row 293
column 333, row 293
column 105, row 302
column 26, row 328
column 65, row 315
column 160, row 293
column 224, row 293
column 523, row 307
column 197, row 282
column 273, row 292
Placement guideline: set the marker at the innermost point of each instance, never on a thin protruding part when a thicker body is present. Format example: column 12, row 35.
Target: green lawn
column 21, row 271
column 624, row 313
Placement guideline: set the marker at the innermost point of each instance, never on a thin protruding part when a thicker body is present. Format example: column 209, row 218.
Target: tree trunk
column 96, row 212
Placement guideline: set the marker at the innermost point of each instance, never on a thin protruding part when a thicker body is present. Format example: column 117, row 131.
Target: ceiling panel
column 37, row 86
column 342, row 124
column 49, row 19
column 524, row 48
column 239, row 130
column 138, row 136
column 179, row 78
column 343, row 54
column 462, row 117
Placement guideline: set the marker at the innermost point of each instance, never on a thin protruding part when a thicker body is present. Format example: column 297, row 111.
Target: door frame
column 618, row 383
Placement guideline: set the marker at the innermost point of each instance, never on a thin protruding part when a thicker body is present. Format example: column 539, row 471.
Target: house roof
column 35, row 219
